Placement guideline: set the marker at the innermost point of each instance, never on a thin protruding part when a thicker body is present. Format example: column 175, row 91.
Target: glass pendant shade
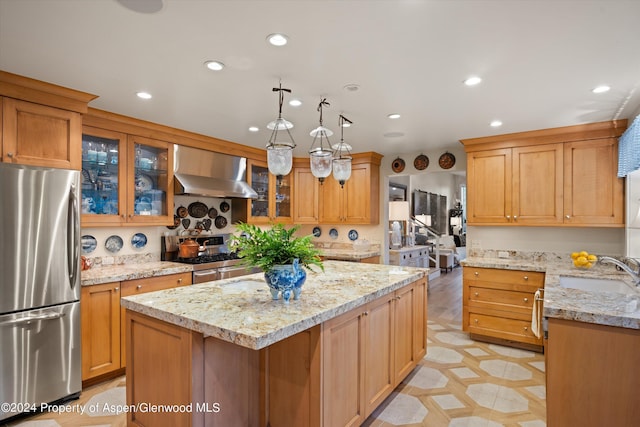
column 342, row 169
column 280, row 147
column 279, row 159
column 320, row 154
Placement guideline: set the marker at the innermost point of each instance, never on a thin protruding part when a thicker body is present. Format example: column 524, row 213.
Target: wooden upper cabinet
column 358, row 201
column 592, row 191
column 489, row 187
column 305, row 196
column 41, row 122
column 274, row 202
column 553, row 177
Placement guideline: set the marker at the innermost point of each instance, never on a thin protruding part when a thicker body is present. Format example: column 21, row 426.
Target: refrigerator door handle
column 72, row 236
column 29, row 319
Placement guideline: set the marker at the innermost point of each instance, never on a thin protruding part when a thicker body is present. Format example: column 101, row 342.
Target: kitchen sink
column 596, row 285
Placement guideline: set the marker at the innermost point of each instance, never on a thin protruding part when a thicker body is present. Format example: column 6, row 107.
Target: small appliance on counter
column 212, row 260
column 40, row 358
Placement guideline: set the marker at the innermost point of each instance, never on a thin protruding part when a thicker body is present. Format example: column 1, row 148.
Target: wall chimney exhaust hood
column 205, row 173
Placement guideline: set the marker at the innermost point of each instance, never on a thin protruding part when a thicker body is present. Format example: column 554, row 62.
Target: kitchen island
column 232, row 356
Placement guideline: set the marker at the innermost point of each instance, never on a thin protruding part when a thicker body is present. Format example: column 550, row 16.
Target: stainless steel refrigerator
column 39, row 287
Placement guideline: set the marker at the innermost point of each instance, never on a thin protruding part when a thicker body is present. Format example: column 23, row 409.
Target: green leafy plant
column 275, row 246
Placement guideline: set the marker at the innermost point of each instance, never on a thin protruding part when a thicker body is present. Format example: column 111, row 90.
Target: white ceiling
column 539, row 61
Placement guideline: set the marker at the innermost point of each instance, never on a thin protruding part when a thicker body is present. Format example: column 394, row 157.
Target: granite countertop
column 120, row 272
column 603, row 308
column 349, row 254
column 240, row 310
column 409, row 248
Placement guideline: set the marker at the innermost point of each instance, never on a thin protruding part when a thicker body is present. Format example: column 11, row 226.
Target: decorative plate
column 353, row 235
column 224, row 207
column 333, row 233
column 176, row 223
column 317, row 232
column 89, row 244
column 213, row 212
column 447, row 160
column 113, row 243
column 182, row 212
column 198, row 210
column 220, row 222
column 398, row 165
column 186, row 222
column 139, row 240
column 207, row 224
column 143, row 182
column 421, row 162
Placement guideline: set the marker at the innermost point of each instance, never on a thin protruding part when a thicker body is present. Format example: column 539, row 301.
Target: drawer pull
column 116, row 289
column 179, row 280
column 476, row 273
column 366, row 313
column 476, row 321
column 526, row 300
column 526, row 329
column 139, row 287
column 526, row 277
column 476, row 294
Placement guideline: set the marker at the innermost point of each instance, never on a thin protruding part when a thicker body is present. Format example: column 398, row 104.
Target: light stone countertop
column 121, row 272
column 603, row 308
column 347, row 254
column 241, row 311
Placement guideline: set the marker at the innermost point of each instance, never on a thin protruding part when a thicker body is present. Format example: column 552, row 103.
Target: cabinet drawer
column 502, row 327
column 157, row 283
column 500, row 299
column 515, row 277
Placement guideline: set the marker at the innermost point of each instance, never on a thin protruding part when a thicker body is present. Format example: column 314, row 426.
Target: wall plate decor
column 213, row 212
column 447, row 160
column 224, row 207
column 333, row 233
column 182, row 212
column 113, row 243
column 398, row 165
column 353, row 235
column 317, row 231
column 89, row 244
column 421, row 162
column 220, row 222
column 139, row 240
column 198, row 210
column 186, row 222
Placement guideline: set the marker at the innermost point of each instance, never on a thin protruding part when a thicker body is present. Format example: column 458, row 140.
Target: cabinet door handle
column 526, row 300
column 116, row 289
column 515, row 217
column 567, row 216
column 476, row 273
column 139, row 287
column 398, row 297
column 476, row 321
column 10, row 155
column 366, row 313
column 508, row 216
column 526, row 329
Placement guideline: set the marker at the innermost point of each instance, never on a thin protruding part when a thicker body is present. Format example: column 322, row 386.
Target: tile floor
column 460, row 383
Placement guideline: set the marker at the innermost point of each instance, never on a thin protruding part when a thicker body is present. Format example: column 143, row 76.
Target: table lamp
column 398, row 211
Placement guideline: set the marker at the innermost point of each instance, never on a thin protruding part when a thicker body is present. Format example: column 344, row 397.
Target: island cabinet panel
column 166, row 377
column 100, row 323
column 592, row 375
column 497, row 305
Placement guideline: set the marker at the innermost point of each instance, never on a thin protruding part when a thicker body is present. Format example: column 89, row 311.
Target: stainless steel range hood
column 205, row 173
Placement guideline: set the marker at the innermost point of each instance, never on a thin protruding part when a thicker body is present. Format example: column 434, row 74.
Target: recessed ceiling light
column 214, row 65
column 495, row 123
column 352, row 87
column 472, row 81
column 393, row 134
column 394, row 116
column 601, row 89
column 295, row 103
column 254, row 129
column 144, row 95
column 277, row 39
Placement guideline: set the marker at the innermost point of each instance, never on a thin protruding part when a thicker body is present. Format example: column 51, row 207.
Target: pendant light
column 280, row 148
column 320, row 155
column 342, row 154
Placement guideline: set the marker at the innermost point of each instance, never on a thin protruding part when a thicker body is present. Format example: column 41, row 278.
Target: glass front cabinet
column 125, row 179
column 274, row 195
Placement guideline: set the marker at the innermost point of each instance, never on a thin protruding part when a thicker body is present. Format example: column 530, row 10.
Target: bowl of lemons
column 583, row 259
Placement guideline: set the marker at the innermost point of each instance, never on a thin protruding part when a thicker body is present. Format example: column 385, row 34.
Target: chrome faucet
column 623, row 266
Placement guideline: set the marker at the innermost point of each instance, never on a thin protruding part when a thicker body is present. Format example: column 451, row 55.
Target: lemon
column 575, row 262
column 575, row 255
column 588, row 265
column 584, row 254
column 582, row 260
column 592, row 258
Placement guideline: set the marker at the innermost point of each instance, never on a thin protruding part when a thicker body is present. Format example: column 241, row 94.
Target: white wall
column 632, row 246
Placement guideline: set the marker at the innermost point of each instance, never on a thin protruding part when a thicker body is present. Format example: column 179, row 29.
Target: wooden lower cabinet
column 333, row 374
column 592, row 375
column 497, row 305
column 103, row 323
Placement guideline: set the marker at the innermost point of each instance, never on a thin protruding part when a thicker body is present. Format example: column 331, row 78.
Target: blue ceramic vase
column 286, row 280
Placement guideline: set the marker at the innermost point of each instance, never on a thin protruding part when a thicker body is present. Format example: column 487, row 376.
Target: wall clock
column 397, row 165
column 447, row 160
column 421, row 162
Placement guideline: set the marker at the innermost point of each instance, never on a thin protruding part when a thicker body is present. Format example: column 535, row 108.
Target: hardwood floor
column 459, row 383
